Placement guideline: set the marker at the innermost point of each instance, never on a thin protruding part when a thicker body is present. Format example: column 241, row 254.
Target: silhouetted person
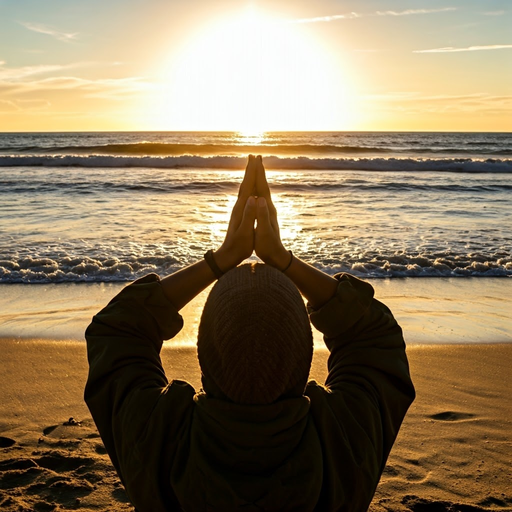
column 257, row 436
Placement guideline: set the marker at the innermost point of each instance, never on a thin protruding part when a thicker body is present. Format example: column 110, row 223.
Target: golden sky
column 255, row 66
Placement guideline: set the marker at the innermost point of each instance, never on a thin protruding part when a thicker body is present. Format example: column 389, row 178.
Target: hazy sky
column 255, row 65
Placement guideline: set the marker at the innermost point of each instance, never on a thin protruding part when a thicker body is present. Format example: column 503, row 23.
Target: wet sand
column 453, row 453
column 439, row 310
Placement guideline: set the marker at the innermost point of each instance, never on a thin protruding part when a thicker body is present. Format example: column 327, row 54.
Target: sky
column 252, row 66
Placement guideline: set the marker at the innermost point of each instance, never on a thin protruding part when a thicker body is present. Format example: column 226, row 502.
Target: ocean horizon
column 110, row 206
column 82, row 214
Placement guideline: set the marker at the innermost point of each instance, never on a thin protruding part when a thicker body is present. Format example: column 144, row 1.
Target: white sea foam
column 68, row 215
column 113, row 269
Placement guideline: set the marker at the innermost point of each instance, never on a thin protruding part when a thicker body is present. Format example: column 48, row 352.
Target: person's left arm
column 126, row 379
column 182, row 286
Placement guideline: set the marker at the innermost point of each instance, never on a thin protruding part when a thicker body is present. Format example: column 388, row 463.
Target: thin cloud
column 111, row 88
column 409, row 12
column 417, row 103
column 451, row 49
column 28, row 87
column 493, row 13
column 15, row 74
column 19, row 74
column 25, row 105
column 43, row 29
column 353, row 15
column 8, row 106
column 416, row 96
column 327, row 18
column 368, row 50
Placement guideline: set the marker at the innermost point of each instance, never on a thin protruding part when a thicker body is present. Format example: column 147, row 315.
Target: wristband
column 211, row 263
column 289, row 264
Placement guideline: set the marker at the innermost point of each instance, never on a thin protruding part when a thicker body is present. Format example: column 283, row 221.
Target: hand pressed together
column 254, row 203
column 239, row 242
column 253, row 227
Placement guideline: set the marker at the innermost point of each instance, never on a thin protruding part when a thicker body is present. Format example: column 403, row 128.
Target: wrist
column 281, row 259
column 225, row 259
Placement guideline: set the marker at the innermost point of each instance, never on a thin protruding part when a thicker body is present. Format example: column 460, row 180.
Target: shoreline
column 452, row 454
column 430, row 310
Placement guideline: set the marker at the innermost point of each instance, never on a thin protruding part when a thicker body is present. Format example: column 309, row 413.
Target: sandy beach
column 453, row 453
column 385, row 133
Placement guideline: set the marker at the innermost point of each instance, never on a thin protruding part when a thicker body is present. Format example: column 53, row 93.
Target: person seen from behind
column 258, row 436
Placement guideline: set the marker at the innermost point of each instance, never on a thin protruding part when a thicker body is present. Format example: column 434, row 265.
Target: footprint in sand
column 6, row 442
column 409, row 470
column 66, row 468
column 48, row 430
column 452, row 416
column 415, row 504
column 491, row 502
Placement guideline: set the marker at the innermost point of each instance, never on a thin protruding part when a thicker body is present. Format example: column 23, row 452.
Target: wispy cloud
column 106, row 88
column 451, row 49
column 21, row 74
column 15, row 74
column 8, row 106
column 55, row 83
column 353, row 15
column 369, row 50
column 19, row 105
column 43, row 29
column 493, row 13
column 419, row 97
column 408, row 12
column 327, row 18
column 417, row 103
column 117, row 89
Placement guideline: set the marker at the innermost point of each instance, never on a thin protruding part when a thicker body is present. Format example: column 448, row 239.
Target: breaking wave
column 461, row 165
column 58, row 269
column 279, row 148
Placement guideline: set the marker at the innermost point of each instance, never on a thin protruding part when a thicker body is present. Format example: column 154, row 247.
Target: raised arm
column 182, row 286
column 368, row 385
column 317, row 286
column 127, row 390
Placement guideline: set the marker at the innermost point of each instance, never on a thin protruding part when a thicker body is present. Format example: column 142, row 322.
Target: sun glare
column 250, row 73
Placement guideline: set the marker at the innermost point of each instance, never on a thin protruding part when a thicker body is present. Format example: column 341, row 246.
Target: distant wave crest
column 272, row 162
column 280, row 149
column 182, row 149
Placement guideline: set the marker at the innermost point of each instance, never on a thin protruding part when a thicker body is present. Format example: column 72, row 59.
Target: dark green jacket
column 175, row 449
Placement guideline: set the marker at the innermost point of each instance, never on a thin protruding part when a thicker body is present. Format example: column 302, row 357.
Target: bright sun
column 251, row 73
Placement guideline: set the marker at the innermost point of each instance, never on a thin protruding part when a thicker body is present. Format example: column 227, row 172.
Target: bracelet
column 211, row 263
column 289, row 264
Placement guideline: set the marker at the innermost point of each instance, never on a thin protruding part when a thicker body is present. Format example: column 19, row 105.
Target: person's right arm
column 368, row 389
column 316, row 286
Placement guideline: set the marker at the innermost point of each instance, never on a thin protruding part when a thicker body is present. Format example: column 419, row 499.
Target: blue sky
column 133, row 64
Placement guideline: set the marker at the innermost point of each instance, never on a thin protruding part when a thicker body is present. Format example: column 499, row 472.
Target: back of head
column 255, row 343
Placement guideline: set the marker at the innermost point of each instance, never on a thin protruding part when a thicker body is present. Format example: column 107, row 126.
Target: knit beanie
column 254, row 341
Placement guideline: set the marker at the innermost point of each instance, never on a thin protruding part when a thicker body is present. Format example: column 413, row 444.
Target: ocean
column 111, row 207
column 101, row 207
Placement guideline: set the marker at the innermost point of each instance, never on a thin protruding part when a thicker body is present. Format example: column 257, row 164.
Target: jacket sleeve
column 127, row 391
column 367, row 392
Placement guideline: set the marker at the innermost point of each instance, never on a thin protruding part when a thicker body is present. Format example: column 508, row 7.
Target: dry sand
column 453, row 453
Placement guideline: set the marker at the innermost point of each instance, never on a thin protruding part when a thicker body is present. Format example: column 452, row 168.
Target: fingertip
column 251, row 201
column 262, row 202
